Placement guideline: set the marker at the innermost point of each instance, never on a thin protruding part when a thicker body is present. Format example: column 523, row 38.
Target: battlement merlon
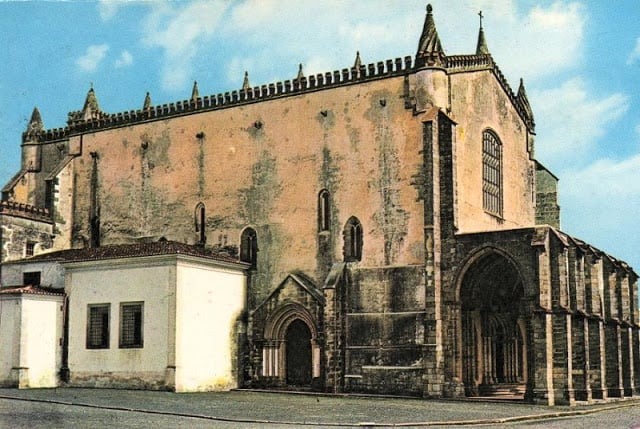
column 430, row 54
column 27, row 211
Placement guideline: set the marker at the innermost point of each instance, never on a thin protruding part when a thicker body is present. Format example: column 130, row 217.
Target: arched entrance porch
column 494, row 342
column 290, row 352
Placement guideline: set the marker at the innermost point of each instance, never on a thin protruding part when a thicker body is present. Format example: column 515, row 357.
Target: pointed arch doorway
column 494, row 342
column 298, row 354
column 291, row 351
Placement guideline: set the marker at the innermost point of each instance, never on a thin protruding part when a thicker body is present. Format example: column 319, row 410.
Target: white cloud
column 92, row 58
column 125, row 59
column 571, row 120
column 180, row 31
column 602, row 200
column 635, row 54
column 108, row 8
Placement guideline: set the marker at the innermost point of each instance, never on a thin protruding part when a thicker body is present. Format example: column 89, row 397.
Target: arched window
column 491, row 173
column 352, row 240
column 200, row 222
column 249, row 246
column 324, row 211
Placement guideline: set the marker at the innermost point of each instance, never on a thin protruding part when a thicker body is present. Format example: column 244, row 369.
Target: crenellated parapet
column 359, row 73
column 13, row 208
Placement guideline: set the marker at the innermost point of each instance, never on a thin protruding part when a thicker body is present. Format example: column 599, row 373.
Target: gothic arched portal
column 494, row 357
column 290, row 351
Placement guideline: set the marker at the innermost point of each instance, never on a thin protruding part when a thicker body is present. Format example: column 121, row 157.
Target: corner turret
column 34, row 128
column 430, row 52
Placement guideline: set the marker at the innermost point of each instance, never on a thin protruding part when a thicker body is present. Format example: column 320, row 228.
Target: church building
column 384, row 228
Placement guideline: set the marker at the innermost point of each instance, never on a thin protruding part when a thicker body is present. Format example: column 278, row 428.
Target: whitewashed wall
column 191, row 309
column 209, row 301
column 115, row 282
column 31, row 329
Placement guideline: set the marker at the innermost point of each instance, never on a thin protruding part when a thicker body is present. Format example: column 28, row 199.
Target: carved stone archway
column 493, row 343
column 279, row 335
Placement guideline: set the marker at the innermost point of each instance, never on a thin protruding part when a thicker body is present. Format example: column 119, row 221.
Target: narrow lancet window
column 492, row 200
column 353, row 240
column 200, row 221
column 249, row 247
column 324, row 210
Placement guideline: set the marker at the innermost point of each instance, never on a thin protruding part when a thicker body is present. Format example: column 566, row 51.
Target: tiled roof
column 30, row 290
column 131, row 251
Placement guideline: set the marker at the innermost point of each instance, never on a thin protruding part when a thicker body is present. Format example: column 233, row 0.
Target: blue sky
column 580, row 61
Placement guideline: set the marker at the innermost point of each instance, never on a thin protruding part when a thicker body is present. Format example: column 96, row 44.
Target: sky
column 580, row 61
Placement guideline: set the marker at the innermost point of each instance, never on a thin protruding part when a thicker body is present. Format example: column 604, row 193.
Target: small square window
column 31, row 278
column 30, row 248
column 131, row 329
column 98, row 326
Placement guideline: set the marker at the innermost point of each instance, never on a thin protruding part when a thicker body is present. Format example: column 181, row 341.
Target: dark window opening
column 249, row 247
column 131, row 317
column 324, row 211
column 353, row 240
column 98, row 326
column 200, row 220
column 31, row 278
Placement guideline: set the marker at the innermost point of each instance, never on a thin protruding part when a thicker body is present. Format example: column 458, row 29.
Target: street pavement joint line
column 499, row 420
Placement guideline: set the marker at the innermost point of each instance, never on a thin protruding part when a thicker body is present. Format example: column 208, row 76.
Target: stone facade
column 388, row 212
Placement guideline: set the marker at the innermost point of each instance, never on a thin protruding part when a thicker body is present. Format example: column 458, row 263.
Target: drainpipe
column 64, row 369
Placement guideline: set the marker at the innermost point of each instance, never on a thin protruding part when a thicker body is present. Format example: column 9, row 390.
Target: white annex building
column 159, row 315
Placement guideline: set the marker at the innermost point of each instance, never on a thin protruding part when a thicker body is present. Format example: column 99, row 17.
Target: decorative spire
column 91, row 107
column 35, row 125
column 147, row 102
column 358, row 61
column 481, row 47
column 430, row 52
column 194, row 92
column 300, row 72
column 524, row 102
column 245, row 84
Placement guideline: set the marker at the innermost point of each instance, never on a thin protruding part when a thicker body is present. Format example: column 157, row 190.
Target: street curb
column 471, row 422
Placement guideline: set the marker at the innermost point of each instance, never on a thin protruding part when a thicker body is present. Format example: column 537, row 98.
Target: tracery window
column 492, row 191
column 324, row 211
column 352, row 240
column 249, row 246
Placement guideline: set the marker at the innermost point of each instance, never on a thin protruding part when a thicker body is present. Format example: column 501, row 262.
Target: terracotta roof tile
column 30, row 290
column 132, row 250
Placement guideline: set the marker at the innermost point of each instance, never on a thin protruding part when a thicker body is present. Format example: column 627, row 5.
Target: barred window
column 491, row 173
column 29, row 248
column 98, row 326
column 131, row 324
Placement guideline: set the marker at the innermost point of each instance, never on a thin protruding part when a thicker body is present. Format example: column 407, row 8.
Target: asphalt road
column 97, row 408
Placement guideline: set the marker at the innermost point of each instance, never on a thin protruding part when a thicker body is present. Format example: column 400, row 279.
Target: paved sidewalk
column 262, row 408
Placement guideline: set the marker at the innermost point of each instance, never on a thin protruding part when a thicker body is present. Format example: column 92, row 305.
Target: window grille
column 131, row 316
column 98, row 326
